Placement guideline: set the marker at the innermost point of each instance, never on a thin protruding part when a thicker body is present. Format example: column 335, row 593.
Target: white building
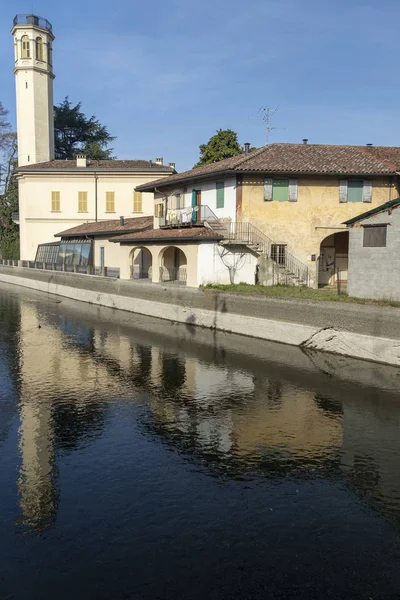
column 58, row 194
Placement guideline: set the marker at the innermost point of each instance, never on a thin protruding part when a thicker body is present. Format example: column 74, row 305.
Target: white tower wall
column 34, row 89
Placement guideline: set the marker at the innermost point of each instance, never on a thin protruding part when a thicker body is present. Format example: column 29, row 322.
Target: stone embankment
column 360, row 331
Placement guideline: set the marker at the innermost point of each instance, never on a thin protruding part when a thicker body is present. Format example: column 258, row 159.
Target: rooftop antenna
column 265, row 114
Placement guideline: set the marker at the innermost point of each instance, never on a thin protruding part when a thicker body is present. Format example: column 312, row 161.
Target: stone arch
column 173, row 265
column 141, row 263
column 333, row 259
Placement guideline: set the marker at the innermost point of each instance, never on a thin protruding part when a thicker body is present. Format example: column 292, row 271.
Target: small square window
column 375, row 236
column 280, row 190
column 355, row 190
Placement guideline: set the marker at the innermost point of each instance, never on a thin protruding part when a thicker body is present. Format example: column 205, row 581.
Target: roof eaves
column 157, row 240
column 374, row 211
column 96, row 233
column 150, row 186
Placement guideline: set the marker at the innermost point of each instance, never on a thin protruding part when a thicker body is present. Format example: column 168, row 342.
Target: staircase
column 292, row 270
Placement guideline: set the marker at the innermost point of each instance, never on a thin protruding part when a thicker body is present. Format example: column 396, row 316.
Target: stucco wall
column 302, row 225
column 38, row 224
column 375, row 272
column 213, row 261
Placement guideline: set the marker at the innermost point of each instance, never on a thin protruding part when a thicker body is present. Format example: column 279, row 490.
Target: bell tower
column 33, row 72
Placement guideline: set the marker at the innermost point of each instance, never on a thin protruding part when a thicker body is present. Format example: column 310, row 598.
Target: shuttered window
column 25, row 47
column 375, row 236
column 355, row 190
column 280, row 190
column 220, row 194
column 39, row 49
column 110, row 201
column 137, row 202
column 55, row 202
column 82, row 202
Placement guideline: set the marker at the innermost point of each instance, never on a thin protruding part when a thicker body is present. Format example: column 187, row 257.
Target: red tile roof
column 111, row 227
column 99, row 165
column 297, row 159
column 168, row 235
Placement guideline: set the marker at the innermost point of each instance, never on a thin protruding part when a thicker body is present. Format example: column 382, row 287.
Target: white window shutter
column 293, row 190
column 367, row 191
column 343, row 190
column 268, row 189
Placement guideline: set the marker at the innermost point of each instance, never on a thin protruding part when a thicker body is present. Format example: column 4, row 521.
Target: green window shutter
column 193, row 197
column 293, row 190
column 268, row 189
column 355, row 190
column 343, row 190
column 367, row 191
column 280, row 190
column 220, row 194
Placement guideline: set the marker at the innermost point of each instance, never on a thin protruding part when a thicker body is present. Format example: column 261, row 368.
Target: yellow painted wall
column 296, row 223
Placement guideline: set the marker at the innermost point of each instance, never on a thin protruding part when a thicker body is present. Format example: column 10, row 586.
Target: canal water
column 141, row 459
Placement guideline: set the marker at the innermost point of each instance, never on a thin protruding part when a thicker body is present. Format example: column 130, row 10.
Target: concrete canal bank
column 360, row 331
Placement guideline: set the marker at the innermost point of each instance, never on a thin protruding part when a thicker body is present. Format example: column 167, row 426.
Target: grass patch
column 297, row 292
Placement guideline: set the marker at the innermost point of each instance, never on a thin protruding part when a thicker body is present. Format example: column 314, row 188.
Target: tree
column 223, row 144
column 75, row 133
column 9, row 236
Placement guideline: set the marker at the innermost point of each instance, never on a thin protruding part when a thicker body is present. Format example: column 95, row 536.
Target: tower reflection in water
column 233, row 415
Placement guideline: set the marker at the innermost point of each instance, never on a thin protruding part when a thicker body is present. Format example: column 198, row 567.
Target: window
column 137, row 202
column 375, row 236
column 55, row 202
column 159, row 210
column 82, row 202
column 355, row 190
column 220, row 194
column 278, row 253
column 39, row 49
column 280, row 190
column 110, row 201
column 49, row 54
column 25, row 49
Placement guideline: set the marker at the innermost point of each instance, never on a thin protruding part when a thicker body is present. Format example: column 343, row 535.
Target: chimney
column 369, row 145
column 80, row 160
column 159, row 161
column 305, row 141
column 121, row 221
column 171, row 165
column 247, row 147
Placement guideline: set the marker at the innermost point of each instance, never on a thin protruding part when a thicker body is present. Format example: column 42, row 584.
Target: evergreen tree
column 9, row 236
column 77, row 134
column 223, row 144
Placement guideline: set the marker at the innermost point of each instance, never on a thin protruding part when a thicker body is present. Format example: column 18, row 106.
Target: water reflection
column 242, row 416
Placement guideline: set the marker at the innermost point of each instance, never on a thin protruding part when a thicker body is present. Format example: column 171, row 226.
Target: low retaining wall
column 366, row 332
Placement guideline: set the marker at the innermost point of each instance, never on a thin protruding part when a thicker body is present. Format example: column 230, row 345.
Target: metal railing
column 113, row 272
column 32, row 20
column 174, row 275
column 190, row 215
column 248, row 234
column 138, row 272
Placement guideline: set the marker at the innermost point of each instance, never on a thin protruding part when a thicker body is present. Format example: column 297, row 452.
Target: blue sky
column 165, row 75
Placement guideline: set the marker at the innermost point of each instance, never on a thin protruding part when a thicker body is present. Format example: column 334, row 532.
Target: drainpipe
column 95, row 197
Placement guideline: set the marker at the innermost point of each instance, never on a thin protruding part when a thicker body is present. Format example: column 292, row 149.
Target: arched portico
column 141, row 263
column 173, row 265
column 333, row 259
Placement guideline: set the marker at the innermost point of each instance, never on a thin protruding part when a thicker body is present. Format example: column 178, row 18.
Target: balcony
column 33, row 20
column 189, row 216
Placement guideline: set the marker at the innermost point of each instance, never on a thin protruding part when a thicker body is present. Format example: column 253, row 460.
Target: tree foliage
column 9, row 236
column 223, row 144
column 77, row 134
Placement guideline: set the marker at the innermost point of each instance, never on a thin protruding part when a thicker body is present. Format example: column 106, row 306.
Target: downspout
column 95, row 196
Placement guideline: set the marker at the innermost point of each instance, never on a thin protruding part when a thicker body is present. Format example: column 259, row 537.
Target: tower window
column 25, row 47
column 39, row 49
column 49, row 54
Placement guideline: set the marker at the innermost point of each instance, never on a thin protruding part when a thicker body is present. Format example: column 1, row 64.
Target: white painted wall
column 212, row 261
column 38, row 224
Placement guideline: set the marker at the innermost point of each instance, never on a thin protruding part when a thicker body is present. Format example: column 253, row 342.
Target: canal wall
column 360, row 331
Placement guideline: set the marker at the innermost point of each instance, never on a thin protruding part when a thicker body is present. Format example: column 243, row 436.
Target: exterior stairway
column 292, row 270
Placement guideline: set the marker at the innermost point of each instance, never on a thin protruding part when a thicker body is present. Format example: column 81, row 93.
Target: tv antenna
column 265, row 114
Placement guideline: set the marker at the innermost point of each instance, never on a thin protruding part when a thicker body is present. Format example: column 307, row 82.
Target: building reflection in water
column 243, row 421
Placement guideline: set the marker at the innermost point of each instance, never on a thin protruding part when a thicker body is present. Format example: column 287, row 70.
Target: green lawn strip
column 297, row 292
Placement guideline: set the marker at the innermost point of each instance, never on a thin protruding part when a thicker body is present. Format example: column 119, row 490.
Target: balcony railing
column 189, row 216
column 174, row 274
column 33, row 20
